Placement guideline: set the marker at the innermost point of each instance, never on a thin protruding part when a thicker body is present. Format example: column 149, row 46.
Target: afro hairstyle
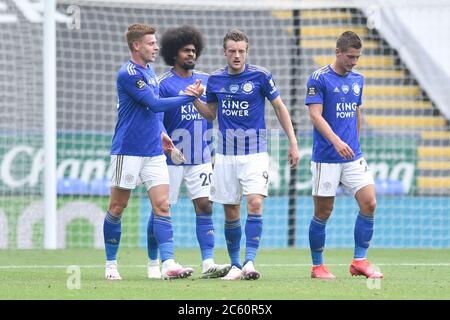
column 174, row 39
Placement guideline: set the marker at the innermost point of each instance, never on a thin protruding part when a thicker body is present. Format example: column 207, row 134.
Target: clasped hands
column 195, row 90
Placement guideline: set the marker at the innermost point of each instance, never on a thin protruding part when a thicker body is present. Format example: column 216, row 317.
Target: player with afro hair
column 176, row 38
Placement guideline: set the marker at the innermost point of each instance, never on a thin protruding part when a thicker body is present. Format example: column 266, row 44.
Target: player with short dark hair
column 236, row 94
column 137, row 151
column 334, row 98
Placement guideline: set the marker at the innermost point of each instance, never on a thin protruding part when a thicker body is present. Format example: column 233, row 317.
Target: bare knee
column 323, row 213
column 368, row 207
column 232, row 212
column 255, row 204
column 323, row 206
column 161, row 207
column 202, row 205
column 116, row 207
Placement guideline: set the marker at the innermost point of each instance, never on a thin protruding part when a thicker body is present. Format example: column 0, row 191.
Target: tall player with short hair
column 236, row 94
column 137, row 152
column 334, row 98
column 181, row 47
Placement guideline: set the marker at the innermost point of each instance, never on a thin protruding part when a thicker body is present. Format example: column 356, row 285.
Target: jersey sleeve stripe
column 219, row 71
column 201, row 72
column 253, row 67
column 166, row 75
column 131, row 70
column 316, row 74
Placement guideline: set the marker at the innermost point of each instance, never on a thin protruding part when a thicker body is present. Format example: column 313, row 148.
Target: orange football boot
column 363, row 268
column 321, row 272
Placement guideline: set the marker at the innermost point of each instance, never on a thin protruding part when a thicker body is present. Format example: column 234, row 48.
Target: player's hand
column 195, row 89
column 293, row 155
column 176, row 156
column 167, row 143
column 344, row 150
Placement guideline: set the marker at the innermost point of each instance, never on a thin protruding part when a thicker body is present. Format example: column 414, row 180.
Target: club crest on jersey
column 345, row 88
column 247, row 87
column 234, row 88
column 356, row 89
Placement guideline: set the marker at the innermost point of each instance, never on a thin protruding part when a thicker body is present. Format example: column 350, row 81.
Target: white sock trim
column 207, row 263
column 153, row 262
column 111, row 262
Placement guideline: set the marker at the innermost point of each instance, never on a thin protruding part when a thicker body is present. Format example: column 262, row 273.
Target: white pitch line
column 400, row 264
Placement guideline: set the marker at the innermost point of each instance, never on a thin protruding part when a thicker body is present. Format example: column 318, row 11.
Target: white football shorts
column 130, row 171
column 234, row 176
column 196, row 177
column 327, row 176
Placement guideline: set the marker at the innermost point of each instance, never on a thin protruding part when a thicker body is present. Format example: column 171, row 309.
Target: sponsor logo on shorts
column 326, row 186
column 129, row 178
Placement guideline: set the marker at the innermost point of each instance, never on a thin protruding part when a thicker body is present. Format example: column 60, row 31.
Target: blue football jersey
column 138, row 132
column 240, row 102
column 339, row 96
column 186, row 127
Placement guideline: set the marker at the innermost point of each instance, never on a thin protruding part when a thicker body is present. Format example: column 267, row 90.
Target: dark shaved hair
column 136, row 31
column 235, row 35
column 176, row 38
column 348, row 39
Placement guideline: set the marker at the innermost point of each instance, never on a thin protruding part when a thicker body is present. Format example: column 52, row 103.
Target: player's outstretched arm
column 137, row 88
column 157, row 104
column 315, row 114
column 285, row 121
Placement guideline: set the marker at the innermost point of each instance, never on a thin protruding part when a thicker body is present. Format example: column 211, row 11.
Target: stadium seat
column 71, row 186
column 389, row 187
column 383, row 187
column 99, row 187
column 342, row 191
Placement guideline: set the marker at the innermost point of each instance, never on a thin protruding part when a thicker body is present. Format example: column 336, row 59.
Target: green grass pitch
column 285, row 274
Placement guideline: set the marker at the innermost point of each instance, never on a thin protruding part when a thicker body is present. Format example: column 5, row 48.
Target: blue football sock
column 233, row 234
column 112, row 230
column 317, row 240
column 253, row 230
column 162, row 229
column 205, row 234
column 363, row 235
column 152, row 245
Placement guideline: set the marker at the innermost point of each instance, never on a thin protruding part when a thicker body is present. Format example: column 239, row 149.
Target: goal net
column 405, row 136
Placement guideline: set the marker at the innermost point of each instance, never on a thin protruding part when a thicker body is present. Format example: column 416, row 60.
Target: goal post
column 49, row 80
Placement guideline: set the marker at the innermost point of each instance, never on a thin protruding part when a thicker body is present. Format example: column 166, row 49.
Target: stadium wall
column 419, row 26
